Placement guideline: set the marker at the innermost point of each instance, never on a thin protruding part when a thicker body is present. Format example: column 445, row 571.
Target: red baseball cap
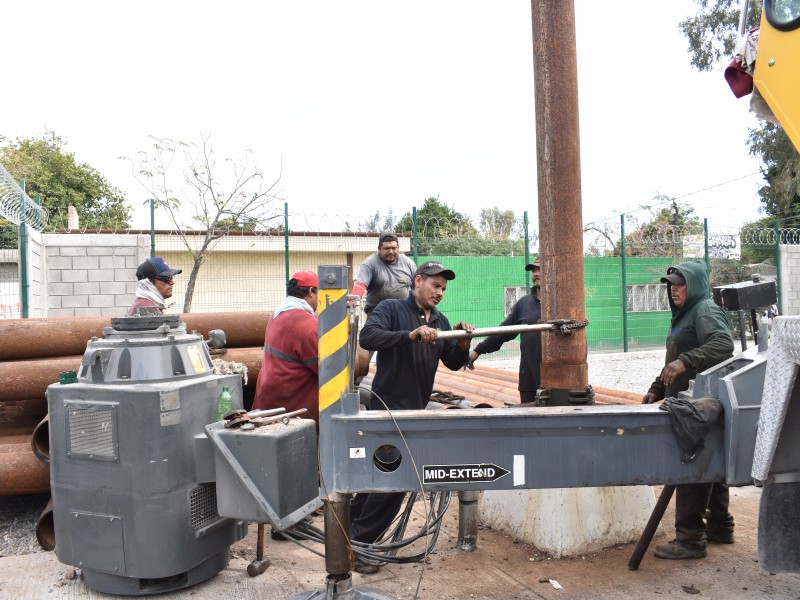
column 306, row 278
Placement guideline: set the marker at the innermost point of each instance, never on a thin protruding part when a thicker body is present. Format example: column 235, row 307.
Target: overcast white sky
column 377, row 105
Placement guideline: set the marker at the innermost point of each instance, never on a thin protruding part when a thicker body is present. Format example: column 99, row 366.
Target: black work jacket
column 526, row 311
column 406, row 369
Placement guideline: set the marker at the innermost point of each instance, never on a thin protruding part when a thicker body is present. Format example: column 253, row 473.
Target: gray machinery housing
column 134, row 505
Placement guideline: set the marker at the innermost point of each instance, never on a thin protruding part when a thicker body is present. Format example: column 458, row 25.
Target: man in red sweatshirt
column 289, row 375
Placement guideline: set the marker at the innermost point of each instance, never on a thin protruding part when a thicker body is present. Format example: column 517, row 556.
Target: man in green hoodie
column 699, row 337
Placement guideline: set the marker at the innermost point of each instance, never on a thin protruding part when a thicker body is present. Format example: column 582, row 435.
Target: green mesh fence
column 246, row 270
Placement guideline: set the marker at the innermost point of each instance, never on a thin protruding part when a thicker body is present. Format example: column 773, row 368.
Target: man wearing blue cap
column 153, row 288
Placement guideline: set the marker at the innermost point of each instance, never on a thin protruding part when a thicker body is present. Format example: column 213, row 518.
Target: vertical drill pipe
column 558, row 170
column 338, row 552
column 468, row 516
column 334, row 381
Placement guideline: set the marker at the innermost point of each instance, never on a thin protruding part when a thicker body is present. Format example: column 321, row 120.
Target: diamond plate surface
column 783, row 360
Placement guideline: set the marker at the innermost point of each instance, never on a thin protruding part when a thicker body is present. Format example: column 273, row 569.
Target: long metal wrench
column 279, row 418
column 460, row 334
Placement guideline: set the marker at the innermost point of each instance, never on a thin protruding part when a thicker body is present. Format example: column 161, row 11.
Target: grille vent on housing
column 203, row 504
column 92, row 432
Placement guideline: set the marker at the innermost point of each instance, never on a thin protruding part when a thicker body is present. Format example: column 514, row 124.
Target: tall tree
column 662, row 232
column 496, row 223
column 712, row 34
column 220, row 202
column 52, row 173
column 780, row 198
column 436, row 219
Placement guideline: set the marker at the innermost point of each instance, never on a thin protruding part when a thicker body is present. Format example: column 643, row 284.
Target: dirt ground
column 500, row 567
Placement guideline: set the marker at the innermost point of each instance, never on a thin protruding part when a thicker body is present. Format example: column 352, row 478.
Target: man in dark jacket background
column 526, row 311
column 699, row 337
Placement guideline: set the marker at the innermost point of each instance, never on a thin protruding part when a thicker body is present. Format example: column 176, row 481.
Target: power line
column 668, row 199
column 717, row 185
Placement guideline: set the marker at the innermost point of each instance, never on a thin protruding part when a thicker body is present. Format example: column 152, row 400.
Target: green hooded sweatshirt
column 700, row 334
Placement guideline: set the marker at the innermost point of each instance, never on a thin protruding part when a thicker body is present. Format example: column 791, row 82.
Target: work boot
column 679, row 550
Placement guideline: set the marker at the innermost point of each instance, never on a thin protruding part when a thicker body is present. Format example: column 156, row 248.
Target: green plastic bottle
column 224, row 404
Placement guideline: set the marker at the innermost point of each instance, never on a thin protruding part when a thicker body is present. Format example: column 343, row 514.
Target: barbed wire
column 766, row 236
column 13, row 198
column 599, row 237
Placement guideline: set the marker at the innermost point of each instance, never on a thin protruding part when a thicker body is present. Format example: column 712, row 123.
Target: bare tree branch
column 239, row 199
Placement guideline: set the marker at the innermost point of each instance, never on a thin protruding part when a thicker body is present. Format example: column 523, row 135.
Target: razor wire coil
column 12, row 198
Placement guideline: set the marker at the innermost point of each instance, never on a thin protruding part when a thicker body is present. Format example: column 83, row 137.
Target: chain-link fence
column 246, row 270
column 10, row 305
column 626, row 303
column 19, row 217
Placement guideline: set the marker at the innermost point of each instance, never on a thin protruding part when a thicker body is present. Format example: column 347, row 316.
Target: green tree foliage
column 661, row 234
column 436, row 220
column 496, row 224
column 52, row 173
column 221, row 200
column 781, row 197
column 714, row 31
column 471, row 246
column 712, row 34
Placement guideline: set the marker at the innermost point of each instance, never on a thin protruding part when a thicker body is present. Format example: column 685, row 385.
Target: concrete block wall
column 790, row 279
column 36, row 261
column 92, row 274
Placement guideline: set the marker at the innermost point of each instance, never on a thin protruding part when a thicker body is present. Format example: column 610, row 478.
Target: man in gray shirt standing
column 388, row 273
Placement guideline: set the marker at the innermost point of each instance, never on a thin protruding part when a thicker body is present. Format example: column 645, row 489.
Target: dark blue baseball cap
column 155, row 267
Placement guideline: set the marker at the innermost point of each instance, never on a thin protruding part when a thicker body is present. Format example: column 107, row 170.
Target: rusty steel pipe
column 559, row 189
column 22, row 409
column 20, row 471
column 28, row 379
column 66, row 336
column 46, row 529
column 40, row 440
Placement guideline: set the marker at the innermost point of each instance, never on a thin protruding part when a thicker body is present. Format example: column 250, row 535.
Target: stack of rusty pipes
column 488, row 387
column 34, row 351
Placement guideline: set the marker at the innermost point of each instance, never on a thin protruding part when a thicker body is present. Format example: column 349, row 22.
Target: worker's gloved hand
column 473, row 356
column 649, row 398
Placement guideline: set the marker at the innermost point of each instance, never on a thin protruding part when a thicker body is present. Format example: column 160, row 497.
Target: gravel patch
column 18, row 515
column 632, row 372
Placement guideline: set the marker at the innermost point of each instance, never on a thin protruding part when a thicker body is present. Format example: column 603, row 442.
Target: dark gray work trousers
column 691, row 503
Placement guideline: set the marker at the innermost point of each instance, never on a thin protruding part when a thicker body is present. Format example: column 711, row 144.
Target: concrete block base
column 570, row 521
